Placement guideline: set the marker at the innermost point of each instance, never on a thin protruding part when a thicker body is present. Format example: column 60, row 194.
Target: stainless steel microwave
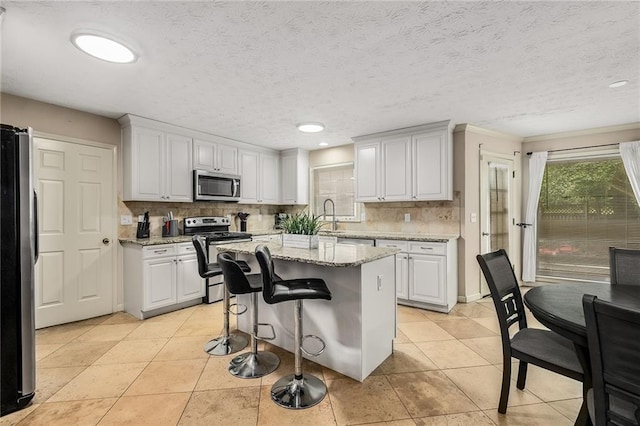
column 210, row 186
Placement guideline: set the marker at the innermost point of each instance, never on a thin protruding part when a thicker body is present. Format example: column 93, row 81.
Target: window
column 334, row 182
column 586, row 205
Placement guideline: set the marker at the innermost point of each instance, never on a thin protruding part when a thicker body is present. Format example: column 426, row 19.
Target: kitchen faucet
column 334, row 222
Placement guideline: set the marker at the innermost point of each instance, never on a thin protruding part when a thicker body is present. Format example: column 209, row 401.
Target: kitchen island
column 358, row 324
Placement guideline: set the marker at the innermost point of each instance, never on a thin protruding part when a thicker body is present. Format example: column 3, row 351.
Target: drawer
column 186, row 248
column 428, row 248
column 161, row 250
column 402, row 245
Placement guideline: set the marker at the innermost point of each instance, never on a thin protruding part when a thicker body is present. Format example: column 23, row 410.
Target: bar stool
column 254, row 364
column 294, row 390
column 227, row 343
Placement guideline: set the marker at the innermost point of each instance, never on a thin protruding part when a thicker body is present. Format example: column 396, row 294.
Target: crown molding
column 577, row 133
column 482, row 131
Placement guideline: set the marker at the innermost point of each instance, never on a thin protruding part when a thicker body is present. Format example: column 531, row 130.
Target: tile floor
column 445, row 370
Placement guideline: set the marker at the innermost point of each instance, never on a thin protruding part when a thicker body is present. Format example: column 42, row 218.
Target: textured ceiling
column 252, row 70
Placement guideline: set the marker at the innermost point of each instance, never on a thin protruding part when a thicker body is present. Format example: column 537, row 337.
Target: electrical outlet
column 474, row 217
column 126, row 219
column 407, row 217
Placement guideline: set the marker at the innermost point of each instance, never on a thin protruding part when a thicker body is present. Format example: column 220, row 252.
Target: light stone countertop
column 377, row 235
column 153, row 241
column 327, row 254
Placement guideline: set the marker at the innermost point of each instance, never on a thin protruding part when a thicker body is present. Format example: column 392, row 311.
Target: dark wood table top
column 559, row 306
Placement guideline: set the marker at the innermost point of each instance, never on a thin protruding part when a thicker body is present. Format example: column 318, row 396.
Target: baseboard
column 470, row 298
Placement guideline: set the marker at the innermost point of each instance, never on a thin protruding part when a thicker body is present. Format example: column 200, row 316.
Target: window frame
column 312, row 195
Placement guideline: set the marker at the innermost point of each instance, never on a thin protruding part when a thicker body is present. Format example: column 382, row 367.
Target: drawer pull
column 392, row 245
column 160, row 251
column 426, row 248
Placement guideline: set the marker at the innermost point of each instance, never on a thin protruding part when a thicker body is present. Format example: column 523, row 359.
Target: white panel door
column 269, row 179
column 431, row 166
column 249, row 177
column 159, row 283
column 367, row 171
column 76, row 205
column 190, row 284
column 148, row 158
column 179, row 170
column 227, row 159
column 427, row 278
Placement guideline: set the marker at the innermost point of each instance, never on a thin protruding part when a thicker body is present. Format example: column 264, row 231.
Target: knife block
column 143, row 230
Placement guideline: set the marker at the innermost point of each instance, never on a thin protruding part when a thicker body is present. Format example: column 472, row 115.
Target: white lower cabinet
column 160, row 278
column 426, row 273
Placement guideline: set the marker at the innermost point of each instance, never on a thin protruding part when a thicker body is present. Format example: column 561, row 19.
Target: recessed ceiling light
column 323, row 143
column 618, row 83
column 103, row 47
column 310, row 127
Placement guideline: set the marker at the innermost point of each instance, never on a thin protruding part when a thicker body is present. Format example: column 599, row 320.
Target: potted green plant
column 301, row 230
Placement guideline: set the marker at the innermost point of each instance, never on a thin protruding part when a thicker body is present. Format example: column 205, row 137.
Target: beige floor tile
column 189, row 347
column 61, row 333
column 128, row 351
column 483, row 384
column 529, row 415
column 216, row 376
column 180, row 315
column 424, row 331
column 489, row 348
column 477, row 418
column 430, row 393
column 222, row 407
column 99, row 381
column 490, row 323
column 157, row 410
column 167, row 377
column 51, row 380
column 550, row 386
column 44, row 350
column 568, row 408
column 107, row 333
column 403, row 422
column 401, row 337
column 76, row 354
column 15, row 417
column 451, row 354
column 370, row 401
column 406, row 357
column 440, row 316
column 66, row 413
column 121, row 318
column 473, row 310
column 270, row 414
column 154, row 330
column 465, row 329
column 410, row 314
column 209, row 328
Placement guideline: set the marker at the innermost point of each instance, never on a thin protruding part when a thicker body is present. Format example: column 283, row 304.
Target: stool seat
column 301, row 288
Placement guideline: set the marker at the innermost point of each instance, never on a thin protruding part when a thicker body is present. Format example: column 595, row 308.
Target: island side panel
column 378, row 312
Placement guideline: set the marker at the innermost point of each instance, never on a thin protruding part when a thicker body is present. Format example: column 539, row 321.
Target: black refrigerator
column 19, row 243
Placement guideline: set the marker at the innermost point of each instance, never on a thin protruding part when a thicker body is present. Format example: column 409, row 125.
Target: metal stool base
column 225, row 345
column 253, row 365
column 289, row 392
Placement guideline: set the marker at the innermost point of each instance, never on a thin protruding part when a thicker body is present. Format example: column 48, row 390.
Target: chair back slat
column 266, row 267
column 614, row 347
column 624, row 266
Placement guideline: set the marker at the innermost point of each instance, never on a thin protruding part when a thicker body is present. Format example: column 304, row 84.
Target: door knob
column 485, row 234
column 106, row 241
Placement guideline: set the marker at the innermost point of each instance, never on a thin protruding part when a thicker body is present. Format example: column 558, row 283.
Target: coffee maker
column 279, row 218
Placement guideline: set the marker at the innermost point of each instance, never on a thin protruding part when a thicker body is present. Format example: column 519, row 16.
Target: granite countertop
column 327, row 254
column 376, row 235
column 153, row 241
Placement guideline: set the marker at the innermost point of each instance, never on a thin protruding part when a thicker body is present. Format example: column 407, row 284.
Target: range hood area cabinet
column 215, row 156
column 294, row 176
column 157, row 163
column 410, row 164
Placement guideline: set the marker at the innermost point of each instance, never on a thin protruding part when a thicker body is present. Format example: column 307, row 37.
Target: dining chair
column 543, row 348
column 613, row 333
column 624, row 266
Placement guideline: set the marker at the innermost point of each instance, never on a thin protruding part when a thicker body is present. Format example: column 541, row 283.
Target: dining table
column 559, row 308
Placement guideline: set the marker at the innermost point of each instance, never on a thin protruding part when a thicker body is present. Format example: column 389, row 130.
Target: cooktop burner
column 214, row 228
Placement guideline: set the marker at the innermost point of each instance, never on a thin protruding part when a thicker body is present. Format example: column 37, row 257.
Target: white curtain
column 630, row 153
column 537, row 163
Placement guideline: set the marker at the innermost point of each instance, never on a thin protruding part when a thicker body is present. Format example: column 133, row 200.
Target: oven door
column 208, row 186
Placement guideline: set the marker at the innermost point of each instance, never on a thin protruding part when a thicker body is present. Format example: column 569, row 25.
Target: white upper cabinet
column 157, row 165
column 294, row 176
column 215, row 157
column 259, row 177
column 409, row 164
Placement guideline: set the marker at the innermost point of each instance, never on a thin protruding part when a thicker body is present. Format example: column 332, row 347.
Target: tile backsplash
column 427, row 217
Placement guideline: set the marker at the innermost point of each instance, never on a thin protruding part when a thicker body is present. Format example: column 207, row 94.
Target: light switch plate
column 126, row 219
column 407, row 217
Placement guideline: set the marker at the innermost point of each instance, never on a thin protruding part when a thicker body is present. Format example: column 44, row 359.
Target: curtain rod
column 581, row 147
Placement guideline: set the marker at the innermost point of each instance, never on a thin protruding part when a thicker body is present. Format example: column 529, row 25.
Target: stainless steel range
column 216, row 230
